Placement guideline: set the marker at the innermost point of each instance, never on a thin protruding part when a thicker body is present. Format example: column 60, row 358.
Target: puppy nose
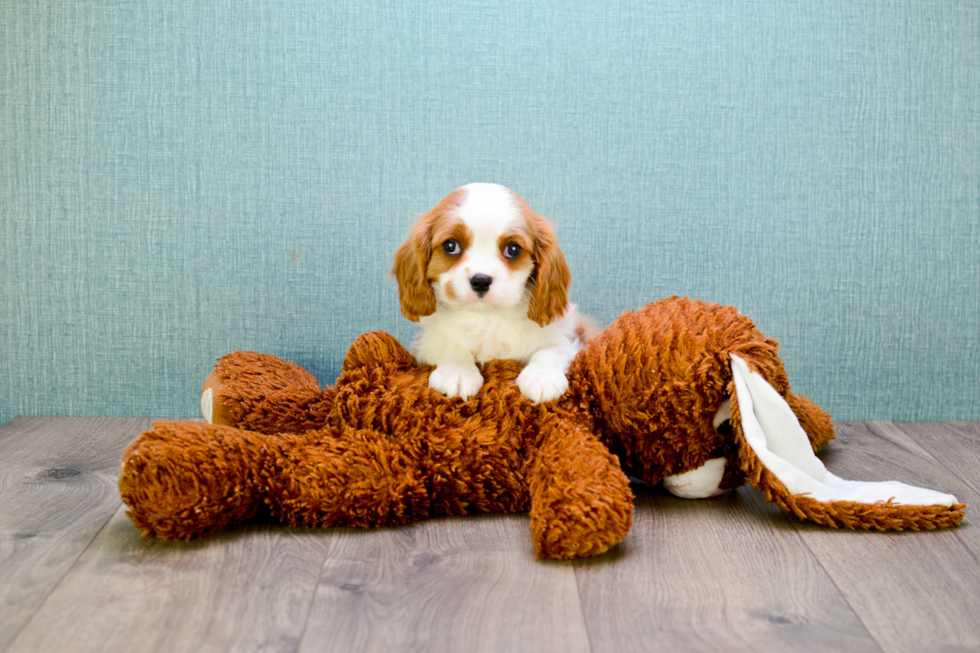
column 480, row 283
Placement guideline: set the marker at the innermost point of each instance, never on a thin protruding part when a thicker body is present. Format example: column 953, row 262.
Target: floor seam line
column 581, row 607
column 68, row 571
column 309, row 611
column 843, row 595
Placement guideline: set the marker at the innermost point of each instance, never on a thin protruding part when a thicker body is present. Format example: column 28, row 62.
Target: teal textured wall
column 179, row 179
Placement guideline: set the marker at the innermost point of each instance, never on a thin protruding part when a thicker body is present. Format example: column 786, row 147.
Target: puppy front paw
column 454, row 380
column 541, row 383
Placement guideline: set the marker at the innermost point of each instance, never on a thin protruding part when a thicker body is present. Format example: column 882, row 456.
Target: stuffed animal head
column 682, row 391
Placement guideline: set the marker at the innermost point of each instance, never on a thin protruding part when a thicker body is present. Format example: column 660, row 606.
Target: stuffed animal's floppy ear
column 411, row 261
column 551, row 277
column 778, row 459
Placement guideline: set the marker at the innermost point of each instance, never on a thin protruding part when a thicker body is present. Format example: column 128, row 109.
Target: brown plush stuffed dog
column 681, row 391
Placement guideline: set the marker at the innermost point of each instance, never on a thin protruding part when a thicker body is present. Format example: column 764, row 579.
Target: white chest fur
column 487, row 334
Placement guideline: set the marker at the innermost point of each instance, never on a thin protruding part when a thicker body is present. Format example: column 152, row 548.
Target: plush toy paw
column 700, row 483
column 541, row 383
column 178, row 485
column 207, row 404
column 455, row 380
column 212, row 406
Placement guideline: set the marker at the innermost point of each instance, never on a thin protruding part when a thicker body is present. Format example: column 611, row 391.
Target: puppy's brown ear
column 551, row 278
column 410, row 264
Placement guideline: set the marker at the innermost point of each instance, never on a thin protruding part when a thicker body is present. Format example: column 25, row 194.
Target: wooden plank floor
column 731, row 573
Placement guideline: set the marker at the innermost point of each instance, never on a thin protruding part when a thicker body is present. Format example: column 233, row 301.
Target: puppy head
column 482, row 247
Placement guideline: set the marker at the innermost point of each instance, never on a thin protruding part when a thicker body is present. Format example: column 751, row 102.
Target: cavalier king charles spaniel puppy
column 482, row 274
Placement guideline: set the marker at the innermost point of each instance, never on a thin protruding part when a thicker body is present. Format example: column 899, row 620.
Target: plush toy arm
column 262, row 393
column 581, row 502
column 183, row 479
column 259, row 392
column 777, row 458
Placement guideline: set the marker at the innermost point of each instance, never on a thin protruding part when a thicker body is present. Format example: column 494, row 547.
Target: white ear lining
column 772, row 431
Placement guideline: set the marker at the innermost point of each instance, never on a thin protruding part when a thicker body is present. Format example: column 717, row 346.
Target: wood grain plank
column 246, row 589
column 723, row 574
column 57, row 490
column 913, row 591
column 456, row 584
column 956, row 445
column 713, row 575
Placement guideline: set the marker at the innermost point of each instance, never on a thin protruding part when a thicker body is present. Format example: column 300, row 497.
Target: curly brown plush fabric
column 388, row 451
column 881, row 516
column 381, row 447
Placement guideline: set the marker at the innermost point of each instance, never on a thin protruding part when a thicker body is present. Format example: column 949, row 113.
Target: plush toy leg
column 581, row 502
column 183, row 480
column 259, row 392
column 362, row 477
column 359, row 478
column 262, row 393
column 778, row 459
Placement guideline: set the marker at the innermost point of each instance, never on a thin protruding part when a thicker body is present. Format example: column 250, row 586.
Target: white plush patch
column 774, row 434
column 723, row 414
column 699, row 483
column 206, row 405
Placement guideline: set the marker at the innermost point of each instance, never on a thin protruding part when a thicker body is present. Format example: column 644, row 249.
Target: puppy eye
column 451, row 247
column 512, row 250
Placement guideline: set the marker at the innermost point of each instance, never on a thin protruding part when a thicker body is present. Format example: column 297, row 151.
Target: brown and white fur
column 483, row 275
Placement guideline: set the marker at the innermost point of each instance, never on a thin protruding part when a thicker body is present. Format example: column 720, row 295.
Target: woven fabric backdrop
column 179, row 179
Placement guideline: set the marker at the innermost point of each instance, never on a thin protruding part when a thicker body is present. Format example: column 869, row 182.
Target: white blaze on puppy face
column 490, row 220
